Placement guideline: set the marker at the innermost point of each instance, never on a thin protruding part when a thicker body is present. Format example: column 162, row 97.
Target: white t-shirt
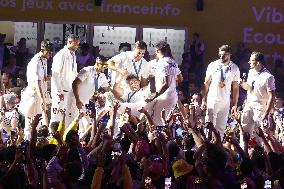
column 91, row 82
column 130, row 96
column 166, row 67
column 125, row 60
column 64, row 70
column 36, row 69
column 231, row 73
column 260, row 83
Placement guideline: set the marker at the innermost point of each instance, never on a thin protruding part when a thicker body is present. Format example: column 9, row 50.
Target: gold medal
column 221, row 84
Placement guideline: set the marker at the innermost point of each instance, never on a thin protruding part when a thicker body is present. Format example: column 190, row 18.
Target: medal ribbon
column 129, row 96
column 137, row 71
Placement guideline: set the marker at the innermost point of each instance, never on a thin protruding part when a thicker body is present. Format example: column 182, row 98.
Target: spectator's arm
column 266, row 144
column 127, row 179
column 275, row 145
column 93, row 130
column 73, row 126
column 182, row 111
column 31, row 174
column 34, row 124
column 97, row 178
column 244, row 137
column 237, row 146
column 102, row 126
column 216, row 134
column 149, row 118
column 114, row 113
column 198, row 140
column 61, row 126
column 82, row 154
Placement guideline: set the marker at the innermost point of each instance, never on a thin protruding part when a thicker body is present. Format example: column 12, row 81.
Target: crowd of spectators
column 186, row 153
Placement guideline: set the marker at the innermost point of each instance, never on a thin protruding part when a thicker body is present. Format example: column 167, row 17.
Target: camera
column 267, row 184
column 168, row 182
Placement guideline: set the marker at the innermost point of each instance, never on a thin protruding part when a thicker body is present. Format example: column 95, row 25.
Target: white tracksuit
column 259, row 83
column 165, row 67
column 64, row 71
column 31, row 103
column 218, row 99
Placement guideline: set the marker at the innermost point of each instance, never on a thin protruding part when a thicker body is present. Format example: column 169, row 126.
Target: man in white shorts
column 222, row 75
column 130, row 62
column 260, row 88
column 33, row 100
column 166, row 74
column 64, row 71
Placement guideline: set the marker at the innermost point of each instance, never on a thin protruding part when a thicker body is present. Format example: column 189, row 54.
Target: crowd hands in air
column 136, row 131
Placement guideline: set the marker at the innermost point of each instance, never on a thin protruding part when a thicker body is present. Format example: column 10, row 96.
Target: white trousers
column 68, row 105
column 217, row 113
column 250, row 118
column 166, row 103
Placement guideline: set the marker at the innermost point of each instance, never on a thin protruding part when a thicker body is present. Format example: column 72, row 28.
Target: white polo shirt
column 125, row 60
column 64, row 70
column 130, row 96
column 231, row 73
column 91, row 81
column 166, row 66
column 260, row 83
column 36, row 69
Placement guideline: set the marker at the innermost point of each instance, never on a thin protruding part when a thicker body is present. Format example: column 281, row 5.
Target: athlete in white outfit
column 64, row 71
column 260, row 88
column 222, row 75
column 131, row 62
column 132, row 96
column 88, row 81
column 34, row 97
column 166, row 75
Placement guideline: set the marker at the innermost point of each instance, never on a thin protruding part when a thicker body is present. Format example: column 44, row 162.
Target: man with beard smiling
column 130, row 62
column 260, row 88
column 222, row 75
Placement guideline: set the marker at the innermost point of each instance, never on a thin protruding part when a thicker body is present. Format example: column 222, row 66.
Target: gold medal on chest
column 221, row 84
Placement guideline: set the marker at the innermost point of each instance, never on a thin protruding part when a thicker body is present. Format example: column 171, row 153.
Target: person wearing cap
column 130, row 62
column 34, row 97
column 4, row 52
column 221, row 81
column 260, row 88
column 89, row 80
column 64, row 72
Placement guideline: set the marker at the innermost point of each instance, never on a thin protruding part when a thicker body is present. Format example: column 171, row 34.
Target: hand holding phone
column 168, row 182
